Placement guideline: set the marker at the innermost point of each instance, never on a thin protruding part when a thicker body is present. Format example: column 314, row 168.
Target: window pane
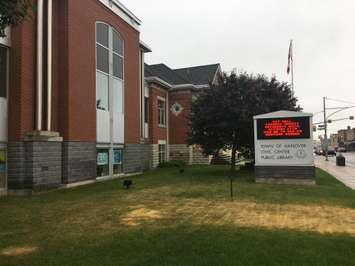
column 117, row 66
column 117, row 161
column 146, row 110
column 3, row 71
column 117, row 96
column 102, row 59
column 101, row 91
column 117, row 156
column 102, row 163
column 117, row 43
column 161, row 112
column 102, row 34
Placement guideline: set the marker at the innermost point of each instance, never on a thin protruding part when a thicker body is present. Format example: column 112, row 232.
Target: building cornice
column 120, row 10
column 175, row 87
column 145, row 48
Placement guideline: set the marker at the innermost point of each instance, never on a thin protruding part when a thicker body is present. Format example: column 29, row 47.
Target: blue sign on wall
column 102, row 158
column 117, row 156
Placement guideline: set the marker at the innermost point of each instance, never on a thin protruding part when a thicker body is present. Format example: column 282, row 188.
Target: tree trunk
column 233, row 160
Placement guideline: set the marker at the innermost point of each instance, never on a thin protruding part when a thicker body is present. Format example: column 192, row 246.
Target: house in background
column 169, row 95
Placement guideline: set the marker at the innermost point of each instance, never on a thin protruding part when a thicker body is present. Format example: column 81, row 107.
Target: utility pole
column 325, row 129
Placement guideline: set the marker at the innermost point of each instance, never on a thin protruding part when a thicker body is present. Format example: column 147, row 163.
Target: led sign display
column 283, row 128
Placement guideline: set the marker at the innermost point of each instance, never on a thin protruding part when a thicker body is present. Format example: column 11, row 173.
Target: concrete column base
column 43, row 136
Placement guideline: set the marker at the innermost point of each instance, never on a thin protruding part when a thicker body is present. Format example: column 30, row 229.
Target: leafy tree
column 12, row 12
column 222, row 117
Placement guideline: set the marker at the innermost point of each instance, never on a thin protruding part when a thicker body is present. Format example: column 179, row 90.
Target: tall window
column 146, row 109
column 109, row 68
column 161, row 113
column 3, row 71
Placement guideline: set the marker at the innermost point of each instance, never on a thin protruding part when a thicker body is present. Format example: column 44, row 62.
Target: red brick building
column 71, row 92
column 75, row 105
column 176, row 90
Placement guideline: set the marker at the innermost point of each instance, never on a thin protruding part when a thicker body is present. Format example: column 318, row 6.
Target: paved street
column 345, row 175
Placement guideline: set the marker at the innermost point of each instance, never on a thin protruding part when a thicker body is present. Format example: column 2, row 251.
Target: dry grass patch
column 321, row 219
column 138, row 216
column 18, row 251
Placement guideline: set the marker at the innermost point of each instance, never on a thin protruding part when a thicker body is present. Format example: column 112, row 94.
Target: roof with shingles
column 165, row 73
column 199, row 75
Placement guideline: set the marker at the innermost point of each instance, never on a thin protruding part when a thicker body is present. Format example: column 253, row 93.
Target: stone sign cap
column 281, row 114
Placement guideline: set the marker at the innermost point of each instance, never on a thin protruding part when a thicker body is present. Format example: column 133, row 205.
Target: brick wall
column 156, row 132
column 22, row 80
column 74, row 72
column 179, row 124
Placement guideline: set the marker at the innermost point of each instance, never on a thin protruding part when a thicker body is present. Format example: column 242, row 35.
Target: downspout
column 39, row 91
column 49, row 64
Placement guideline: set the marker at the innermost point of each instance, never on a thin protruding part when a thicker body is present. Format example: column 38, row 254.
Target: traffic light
column 351, row 117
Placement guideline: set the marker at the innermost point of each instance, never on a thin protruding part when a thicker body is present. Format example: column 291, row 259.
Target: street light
column 329, row 121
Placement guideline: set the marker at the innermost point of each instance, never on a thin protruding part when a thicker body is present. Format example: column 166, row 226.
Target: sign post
column 284, row 148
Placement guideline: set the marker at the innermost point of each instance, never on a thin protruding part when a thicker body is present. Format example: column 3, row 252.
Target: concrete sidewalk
column 346, row 174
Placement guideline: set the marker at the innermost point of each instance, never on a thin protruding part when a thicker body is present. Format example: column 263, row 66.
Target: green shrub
column 172, row 164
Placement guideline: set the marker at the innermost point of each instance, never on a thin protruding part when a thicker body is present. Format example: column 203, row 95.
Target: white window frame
column 163, row 125
column 111, row 74
column 111, row 146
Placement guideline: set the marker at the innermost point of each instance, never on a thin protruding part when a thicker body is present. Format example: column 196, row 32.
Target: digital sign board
column 283, row 128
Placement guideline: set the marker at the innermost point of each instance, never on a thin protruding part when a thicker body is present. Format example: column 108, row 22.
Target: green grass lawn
column 169, row 218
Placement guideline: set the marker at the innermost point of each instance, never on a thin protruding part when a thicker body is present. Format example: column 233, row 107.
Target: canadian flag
column 290, row 57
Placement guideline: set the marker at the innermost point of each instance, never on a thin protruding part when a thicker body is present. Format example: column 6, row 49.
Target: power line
column 342, row 101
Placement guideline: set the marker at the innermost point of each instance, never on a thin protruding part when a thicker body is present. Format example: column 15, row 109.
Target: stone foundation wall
column 180, row 152
column 199, row 158
column 16, row 167
column 285, row 174
column 136, row 158
column 79, row 161
column 34, row 166
column 154, row 155
column 191, row 155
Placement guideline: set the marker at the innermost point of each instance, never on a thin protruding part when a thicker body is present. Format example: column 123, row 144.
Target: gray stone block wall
column 198, row 158
column 191, row 155
column 79, row 161
column 45, row 164
column 16, row 166
column 180, row 152
column 154, row 155
column 288, row 172
column 34, row 165
column 136, row 158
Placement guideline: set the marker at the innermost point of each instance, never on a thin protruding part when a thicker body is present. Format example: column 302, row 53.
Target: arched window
column 109, row 69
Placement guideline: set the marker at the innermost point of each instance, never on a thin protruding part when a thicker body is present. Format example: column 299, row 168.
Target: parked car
column 341, row 149
column 332, row 153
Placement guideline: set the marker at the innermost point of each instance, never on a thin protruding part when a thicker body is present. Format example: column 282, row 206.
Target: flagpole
column 292, row 80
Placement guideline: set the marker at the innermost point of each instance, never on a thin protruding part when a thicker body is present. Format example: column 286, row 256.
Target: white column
column 49, row 65
column 39, row 65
